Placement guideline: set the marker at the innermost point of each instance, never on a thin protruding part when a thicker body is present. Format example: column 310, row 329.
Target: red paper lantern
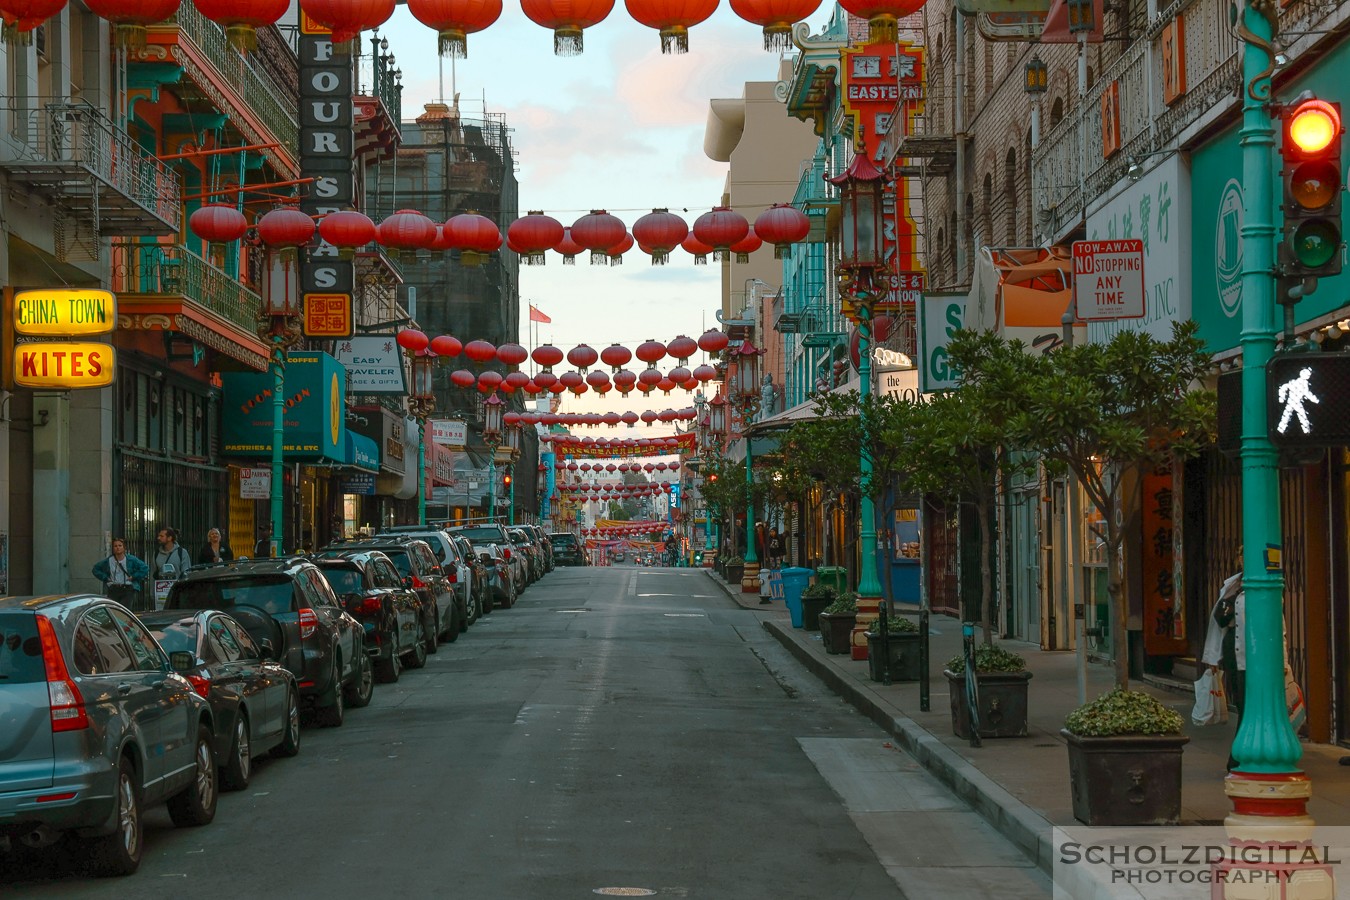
column 713, row 341
column 615, row 254
column 704, row 373
column 630, row 418
column 582, row 356
column 348, row 18
column 776, row 17
column 597, row 377
column 666, row 386
column 624, row 381
column 597, row 231
column 556, row 388
column 679, row 375
column 650, row 351
column 463, row 378
column 568, row 248
column 474, row 236
column 578, row 389
column 615, row 356
column 781, row 225
column 455, row 20
column 515, row 380
column 658, row 233
column 883, row 16
column 442, row 240
column 22, row 16
column 489, row 382
column 346, row 230
column 534, row 234
column 480, row 351
column 284, row 228
column 129, row 20
column 545, row 380
column 700, row 250
column 746, row 245
column 512, row 354
column 648, row 416
column 407, row 231
column 568, row 19
column 571, row 380
column 682, row 348
column 446, row 345
column 218, row 223
column 720, row 228
column 412, row 340
column 673, row 18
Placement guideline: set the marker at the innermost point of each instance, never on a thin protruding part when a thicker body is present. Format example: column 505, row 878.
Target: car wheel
column 290, row 741
column 362, row 687
column 196, row 803
column 416, row 658
column 470, row 613
column 234, row 774
column 485, row 599
column 453, row 627
column 389, row 670
column 119, row 853
column 332, row 715
column 432, row 642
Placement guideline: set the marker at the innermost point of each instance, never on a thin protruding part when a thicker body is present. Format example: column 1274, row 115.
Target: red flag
column 537, row 316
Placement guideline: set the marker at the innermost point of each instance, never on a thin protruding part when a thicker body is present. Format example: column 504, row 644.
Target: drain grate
column 580, row 609
column 624, row 892
column 684, row 615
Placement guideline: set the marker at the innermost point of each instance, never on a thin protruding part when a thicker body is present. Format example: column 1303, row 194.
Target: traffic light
column 506, row 481
column 1311, row 245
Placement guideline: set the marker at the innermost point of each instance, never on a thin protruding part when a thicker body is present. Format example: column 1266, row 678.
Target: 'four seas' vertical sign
column 326, row 143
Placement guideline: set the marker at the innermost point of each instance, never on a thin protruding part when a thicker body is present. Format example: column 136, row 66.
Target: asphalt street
column 619, row 732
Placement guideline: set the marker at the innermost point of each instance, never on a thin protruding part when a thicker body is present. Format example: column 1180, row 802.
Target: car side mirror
column 182, row 661
column 408, row 582
column 267, row 650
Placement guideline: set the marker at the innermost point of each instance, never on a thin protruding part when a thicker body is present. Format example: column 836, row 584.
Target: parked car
column 529, row 554
column 372, row 592
column 285, row 602
column 452, row 563
column 254, row 701
column 501, row 575
column 540, row 538
column 481, row 591
column 566, row 549
column 97, row 729
column 419, row 570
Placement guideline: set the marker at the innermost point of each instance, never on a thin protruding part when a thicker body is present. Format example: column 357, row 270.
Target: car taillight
column 452, row 576
column 309, row 620
column 67, row 705
column 201, row 685
column 418, row 583
column 370, row 606
column 506, row 554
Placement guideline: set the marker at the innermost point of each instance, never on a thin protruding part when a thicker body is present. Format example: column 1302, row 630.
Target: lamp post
column 513, row 443
column 744, row 395
column 492, row 437
column 717, row 430
column 1036, row 82
column 421, row 402
column 863, row 281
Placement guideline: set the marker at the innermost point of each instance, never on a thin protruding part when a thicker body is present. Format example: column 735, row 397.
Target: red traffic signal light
column 1311, row 244
column 506, row 480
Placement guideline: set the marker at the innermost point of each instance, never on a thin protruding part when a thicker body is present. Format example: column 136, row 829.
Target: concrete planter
column 812, row 607
column 733, row 573
column 1128, row 779
column 904, row 656
column 1003, row 703
column 836, row 631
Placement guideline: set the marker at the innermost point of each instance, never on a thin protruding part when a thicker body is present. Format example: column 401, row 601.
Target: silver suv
column 98, row 727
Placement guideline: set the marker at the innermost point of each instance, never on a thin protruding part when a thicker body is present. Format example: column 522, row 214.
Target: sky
column 620, row 128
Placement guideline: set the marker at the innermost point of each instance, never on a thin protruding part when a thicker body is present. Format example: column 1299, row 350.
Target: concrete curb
column 1019, row 823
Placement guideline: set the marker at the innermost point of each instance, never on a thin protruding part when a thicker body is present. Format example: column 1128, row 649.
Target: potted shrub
column 837, row 621
column 1125, row 760
column 733, row 569
column 814, row 600
column 1001, row 677
column 902, row 643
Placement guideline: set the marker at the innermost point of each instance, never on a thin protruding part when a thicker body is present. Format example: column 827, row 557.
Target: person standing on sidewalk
column 215, row 550
column 171, row 561
column 122, row 574
column 1225, row 644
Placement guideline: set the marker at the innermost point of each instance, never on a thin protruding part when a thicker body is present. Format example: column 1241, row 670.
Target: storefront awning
column 313, row 417
column 363, row 454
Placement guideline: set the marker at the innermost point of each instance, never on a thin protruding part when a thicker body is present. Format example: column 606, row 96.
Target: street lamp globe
column 862, row 215
column 492, row 418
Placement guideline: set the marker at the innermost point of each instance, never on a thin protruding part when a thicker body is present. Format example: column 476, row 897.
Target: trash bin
column 795, row 581
column 835, row 576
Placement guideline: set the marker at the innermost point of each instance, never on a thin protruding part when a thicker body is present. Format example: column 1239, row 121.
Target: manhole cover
column 684, row 615
column 583, row 609
column 624, row 892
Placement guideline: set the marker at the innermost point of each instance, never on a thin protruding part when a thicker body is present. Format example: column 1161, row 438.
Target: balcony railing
column 272, row 104
column 173, row 270
column 74, row 154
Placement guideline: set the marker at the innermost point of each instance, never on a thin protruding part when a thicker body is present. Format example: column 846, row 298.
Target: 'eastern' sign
column 1308, row 400
column 1108, row 279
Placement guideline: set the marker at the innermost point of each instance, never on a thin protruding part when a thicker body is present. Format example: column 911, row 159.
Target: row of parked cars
column 105, row 712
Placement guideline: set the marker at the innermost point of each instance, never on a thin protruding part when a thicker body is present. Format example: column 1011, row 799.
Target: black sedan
column 253, row 699
column 371, row 590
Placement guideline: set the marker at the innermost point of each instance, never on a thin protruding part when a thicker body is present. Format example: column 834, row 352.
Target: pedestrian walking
column 171, row 560
column 776, row 549
column 215, row 550
column 122, row 574
column 1225, row 644
column 263, row 547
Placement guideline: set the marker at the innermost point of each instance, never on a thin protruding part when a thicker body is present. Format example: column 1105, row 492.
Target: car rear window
column 343, row 580
column 400, row 560
column 485, row 534
column 20, row 649
column 177, row 636
column 563, row 540
column 272, row 594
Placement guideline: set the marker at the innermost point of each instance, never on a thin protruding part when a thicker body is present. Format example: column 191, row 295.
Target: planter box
column 812, row 607
column 836, row 631
column 1126, row 779
column 733, row 574
column 904, row 661
column 1003, row 704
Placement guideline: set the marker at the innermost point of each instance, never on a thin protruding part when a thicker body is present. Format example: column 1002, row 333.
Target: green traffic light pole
column 278, row 435
column 1266, row 748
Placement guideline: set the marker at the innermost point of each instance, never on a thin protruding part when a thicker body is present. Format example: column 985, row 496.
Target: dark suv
column 420, row 571
column 95, row 727
column 372, row 591
column 566, row 549
column 481, row 590
column 287, row 606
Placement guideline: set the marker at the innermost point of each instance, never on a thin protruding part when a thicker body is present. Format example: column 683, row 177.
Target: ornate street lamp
column 513, row 444
column 743, row 391
column 863, row 281
column 1036, row 82
column 421, row 403
column 493, row 408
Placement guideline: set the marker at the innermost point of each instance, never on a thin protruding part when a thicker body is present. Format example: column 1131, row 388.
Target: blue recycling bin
column 795, row 581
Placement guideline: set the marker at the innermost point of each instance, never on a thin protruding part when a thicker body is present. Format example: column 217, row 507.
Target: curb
column 1023, row 826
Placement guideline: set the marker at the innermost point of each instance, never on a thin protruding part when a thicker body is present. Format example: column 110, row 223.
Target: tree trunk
column 1120, row 644
column 986, row 575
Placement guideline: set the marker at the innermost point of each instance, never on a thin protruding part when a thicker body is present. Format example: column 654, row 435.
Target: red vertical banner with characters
column 1164, row 623
column 883, row 92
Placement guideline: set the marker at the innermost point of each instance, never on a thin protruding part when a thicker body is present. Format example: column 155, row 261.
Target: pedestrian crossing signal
column 1308, row 400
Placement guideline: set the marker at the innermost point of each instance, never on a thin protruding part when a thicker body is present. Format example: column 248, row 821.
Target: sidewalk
column 1021, row 785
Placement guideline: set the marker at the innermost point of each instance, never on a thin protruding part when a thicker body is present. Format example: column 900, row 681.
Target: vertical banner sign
column 326, row 142
column 1164, row 626
column 883, row 92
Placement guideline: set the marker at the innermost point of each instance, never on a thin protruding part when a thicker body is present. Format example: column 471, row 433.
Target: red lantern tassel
column 778, row 37
column 127, row 36
column 533, row 258
column 599, row 258
column 660, row 257
column 700, row 259
column 884, row 29
column 454, row 43
column 242, row 38
column 675, row 39
column 742, row 258
column 567, row 42
column 569, row 260
column 471, row 258
column 780, row 251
